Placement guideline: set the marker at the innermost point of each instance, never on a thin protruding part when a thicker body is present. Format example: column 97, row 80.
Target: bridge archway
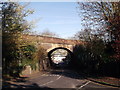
column 52, row 64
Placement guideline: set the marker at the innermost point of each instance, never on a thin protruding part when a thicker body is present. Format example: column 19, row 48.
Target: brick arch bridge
column 49, row 43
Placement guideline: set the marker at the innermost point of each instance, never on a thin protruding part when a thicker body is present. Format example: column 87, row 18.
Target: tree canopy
column 103, row 17
column 13, row 26
column 49, row 34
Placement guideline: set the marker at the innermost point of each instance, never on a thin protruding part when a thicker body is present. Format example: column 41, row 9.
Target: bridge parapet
column 50, row 43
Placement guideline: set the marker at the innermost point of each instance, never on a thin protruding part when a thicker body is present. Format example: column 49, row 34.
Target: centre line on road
column 46, row 83
column 84, row 85
column 51, row 81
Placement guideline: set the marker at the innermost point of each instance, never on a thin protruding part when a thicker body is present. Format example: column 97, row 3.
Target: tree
column 90, row 55
column 43, row 61
column 13, row 25
column 103, row 16
column 84, row 35
column 49, row 34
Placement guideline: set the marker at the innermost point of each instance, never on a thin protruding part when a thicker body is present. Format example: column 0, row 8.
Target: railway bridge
column 50, row 43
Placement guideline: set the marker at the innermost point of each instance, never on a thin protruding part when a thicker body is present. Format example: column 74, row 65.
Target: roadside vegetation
column 16, row 52
column 100, row 55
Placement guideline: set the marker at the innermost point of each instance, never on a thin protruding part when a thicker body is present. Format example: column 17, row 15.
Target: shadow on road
column 68, row 73
column 21, row 83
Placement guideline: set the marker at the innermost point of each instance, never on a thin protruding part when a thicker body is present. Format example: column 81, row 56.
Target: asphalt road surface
column 67, row 79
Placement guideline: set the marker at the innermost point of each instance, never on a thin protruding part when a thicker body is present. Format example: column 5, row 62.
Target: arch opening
column 60, row 57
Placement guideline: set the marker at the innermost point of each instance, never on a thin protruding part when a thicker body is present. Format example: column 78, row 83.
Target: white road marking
column 49, row 75
column 84, row 85
column 51, row 81
column 46, row 83
column 59, row 77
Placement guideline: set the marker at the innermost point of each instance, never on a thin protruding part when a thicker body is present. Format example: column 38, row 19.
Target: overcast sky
column 58, row 17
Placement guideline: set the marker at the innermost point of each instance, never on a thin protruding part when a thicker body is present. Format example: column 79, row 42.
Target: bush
column 42, row 59
column 28, row 56
column 89, row 57
column 95, row 58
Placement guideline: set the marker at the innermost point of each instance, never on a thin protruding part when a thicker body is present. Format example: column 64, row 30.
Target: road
column 66, row 79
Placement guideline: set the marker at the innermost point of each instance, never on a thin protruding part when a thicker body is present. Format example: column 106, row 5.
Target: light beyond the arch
column 50, row 53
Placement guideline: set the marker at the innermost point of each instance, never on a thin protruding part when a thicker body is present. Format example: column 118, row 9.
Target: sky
column 59, row 17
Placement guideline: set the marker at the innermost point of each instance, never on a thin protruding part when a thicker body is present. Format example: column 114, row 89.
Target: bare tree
column 49, row 33
column 84, row 35
column 104, row 17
